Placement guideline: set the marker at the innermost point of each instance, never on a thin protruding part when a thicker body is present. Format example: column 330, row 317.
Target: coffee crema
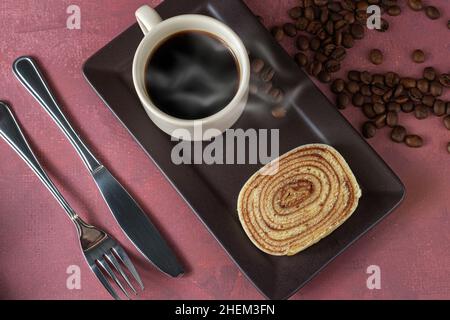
column 192, row 75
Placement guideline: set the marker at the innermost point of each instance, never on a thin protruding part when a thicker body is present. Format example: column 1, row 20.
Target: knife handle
column 28, row 73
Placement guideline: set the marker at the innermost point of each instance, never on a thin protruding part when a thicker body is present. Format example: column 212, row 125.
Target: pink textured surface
column 38, row 242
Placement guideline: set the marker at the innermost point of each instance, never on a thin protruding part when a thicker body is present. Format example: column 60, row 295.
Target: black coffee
column 192, row 75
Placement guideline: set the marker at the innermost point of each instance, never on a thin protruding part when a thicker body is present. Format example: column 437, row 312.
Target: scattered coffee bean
column 444, row 79
column 352, row 87
column 277, row 33
column 414, row 141
column 378, row 79
column 338, row 86
column 378, row 89
column 348, row 41
column 439, row 108
column 354, row 75
column 324, row 77
column 279, row 112
column 423, row 85
column 415, row 94
column 368, row 111
column 428, row 100
column 339, row 54
column 435, row 88
column 376, row 56
column 432, row 12
column 408, row 83
column 358, row 99
column 266, row 87
column 399, row 90
column 394, row 10
column 416, row 5
column 421, row 112
column 301, row 59
column 343, row 100
column 418, row 56
column 276, row 94
column 366, row 77
column 407, row 107
column 394, row 107
column 295, row 12
column 369, row 130
column 392, row 119
column 314, row 44
column 257, row 65
column 447, row 122
column 267, row 74
column 290, row 30
column 429, row 73
column 398, row 134
column 379, row 108
column 302, row 24
column 332, row 66
column 365, row 90
column 380, row 121
column 384, row 26
column 391, row 79
column 357, row 31
column 402, row 99
column 303, row 43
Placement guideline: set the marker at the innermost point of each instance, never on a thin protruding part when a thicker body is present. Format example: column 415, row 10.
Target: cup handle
column 147, row 18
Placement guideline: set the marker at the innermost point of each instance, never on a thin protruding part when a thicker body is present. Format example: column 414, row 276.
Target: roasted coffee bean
column 276, row 94
column 266, row 87
column 413, row 141
column 348, row 41
column 362, row 5
column 257, row 65
column 429, row 73
column 378, row 79
column 388, row 95
column 435, row 88
column 444, row 80
column 314, row 44
column 301, row 59
column 418, row 56
column 447, row 122
column 399, row 90
column 328, row 49
column 302, row 23
column 267, row 74
column 401, row 99
column 337, row 38
column 368, row 111
column 366, row 77
column 408, row 107
column 303, row 43
column 290, row 29
column 329, row 27
column 334, row 6
column 428, row 100
column 279, row 112
column 316, row 68
column 352, row 87
column 357, row 30
column 348, row 5
column 421, row 112
column 314, row 27
column 408, row 83
column 278, row 33
column 308, row 13
column 416, row 5
column 342, row 100
column 439, row 107
column 392, row 119
column 384, row 26
column 415, row 94
column 354, row 75
column 338, row 86
column 327, row 41
column 393, row 106
column 339, row 54
column 324, row 14
column 398, row 134
column 377, row 99
column 394, row 10
column 423, row 85
column 349, row 17
column 339, row 24
column 391, row 79
column 358, row 99
column 379, row 108
column 295, row 12
column 332, row 66
column 369, row 130
column 319, row 56
column 324, row 77
column 380, row 121
column 365, row 90
column 432, row 12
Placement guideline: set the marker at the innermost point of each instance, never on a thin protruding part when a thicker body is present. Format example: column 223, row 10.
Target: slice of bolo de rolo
column 298, row 199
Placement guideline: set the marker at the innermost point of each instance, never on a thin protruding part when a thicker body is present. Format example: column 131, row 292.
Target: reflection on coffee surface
column 192, row 75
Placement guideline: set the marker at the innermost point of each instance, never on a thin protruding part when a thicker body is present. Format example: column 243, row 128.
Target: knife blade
column 131, row 218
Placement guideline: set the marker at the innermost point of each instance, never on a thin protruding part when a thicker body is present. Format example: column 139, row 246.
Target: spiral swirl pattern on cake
column 310, row 194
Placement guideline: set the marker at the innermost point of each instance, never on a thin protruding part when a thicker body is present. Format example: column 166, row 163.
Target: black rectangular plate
column 212, row 191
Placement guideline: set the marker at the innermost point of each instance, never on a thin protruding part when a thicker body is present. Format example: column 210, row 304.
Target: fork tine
column 127, row 262
column 111, row 273
column 112, row 259
column 104, row 281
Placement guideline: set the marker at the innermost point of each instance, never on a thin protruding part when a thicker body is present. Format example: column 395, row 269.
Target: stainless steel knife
column 130, row 217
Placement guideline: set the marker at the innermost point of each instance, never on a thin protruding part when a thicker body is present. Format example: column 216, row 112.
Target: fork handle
column 28, row 73
column 11, row 133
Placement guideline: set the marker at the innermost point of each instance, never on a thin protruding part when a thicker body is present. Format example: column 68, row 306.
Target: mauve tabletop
column 38, row 244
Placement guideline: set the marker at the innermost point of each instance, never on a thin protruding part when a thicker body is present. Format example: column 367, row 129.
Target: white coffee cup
column 157, row 31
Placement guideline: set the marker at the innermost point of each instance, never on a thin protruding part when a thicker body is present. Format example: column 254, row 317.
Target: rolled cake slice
column 298, row 199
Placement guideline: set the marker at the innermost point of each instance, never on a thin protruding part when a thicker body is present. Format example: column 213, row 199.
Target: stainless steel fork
column 103, row 254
